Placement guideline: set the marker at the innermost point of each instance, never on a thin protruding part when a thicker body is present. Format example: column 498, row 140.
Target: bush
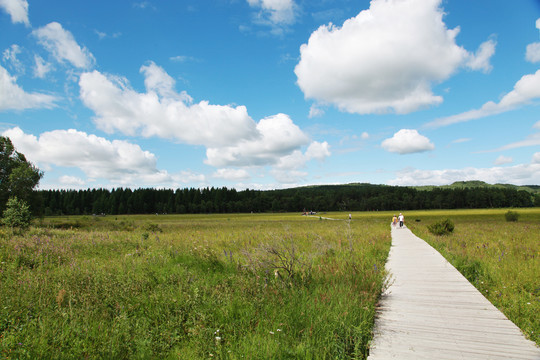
column 17, row 214
column 511, row 215
column 443, row 227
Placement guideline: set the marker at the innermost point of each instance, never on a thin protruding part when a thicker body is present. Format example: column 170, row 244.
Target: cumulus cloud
column 384, row 59
column 522, row 174
column 317, row 150
column 231, row 137
column 525, row 90
column 278, row 137
column 13, row 97
column 17, row 9
column 62, row 45
column 533, row 50
column 118, row 161
column 161, row 111
column 274, row 12
column 407, row 141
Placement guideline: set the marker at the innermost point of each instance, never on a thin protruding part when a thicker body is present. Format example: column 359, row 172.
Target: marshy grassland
column 253, row 286
column 237, row 286
column 501, row 259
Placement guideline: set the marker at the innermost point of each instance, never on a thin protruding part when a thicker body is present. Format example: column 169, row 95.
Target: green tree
column 18, row 177
column 17, row 214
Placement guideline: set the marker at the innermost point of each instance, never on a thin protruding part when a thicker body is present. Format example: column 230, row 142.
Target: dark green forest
column 352, row 197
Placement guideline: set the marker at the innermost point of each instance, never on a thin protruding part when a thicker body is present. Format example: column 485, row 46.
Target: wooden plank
column 430, row 311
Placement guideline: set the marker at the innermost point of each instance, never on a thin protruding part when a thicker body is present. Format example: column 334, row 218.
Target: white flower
column 271, row 333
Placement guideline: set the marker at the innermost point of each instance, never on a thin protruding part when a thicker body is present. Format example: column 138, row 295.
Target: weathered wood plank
column 430, row 311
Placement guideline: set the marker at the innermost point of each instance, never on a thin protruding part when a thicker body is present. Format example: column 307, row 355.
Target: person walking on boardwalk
column 394, row 221
column 401, row 219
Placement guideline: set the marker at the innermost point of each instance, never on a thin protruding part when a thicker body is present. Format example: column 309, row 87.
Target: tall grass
column 500, row 258
column 191, row 287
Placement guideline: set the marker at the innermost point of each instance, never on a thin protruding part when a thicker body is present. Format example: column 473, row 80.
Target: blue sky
column 266, row 94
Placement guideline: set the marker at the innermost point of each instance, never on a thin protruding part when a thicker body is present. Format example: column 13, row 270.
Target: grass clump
column 511, row 216
column 443, row 227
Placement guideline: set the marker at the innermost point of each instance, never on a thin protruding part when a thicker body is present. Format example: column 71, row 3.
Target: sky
column 269, row 94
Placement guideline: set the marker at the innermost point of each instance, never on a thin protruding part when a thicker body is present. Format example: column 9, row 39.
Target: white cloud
column 17, row 9
column 278, row 137
column 315, row 111
column 525, row 90
column 501, row 160
column 522, row 174
column 161, row 111
column 72, row 181
column 536, row 158
column 116, row 160
column 407, row 141
column 41, row 68
column 274, row 12
column 231, row 174
column 13, row 97
column 291, row 177
column 317, row 150
column 531, row 140
column 461, row 140
column 364, row 136
column 62, row 45
column 230, row 135
column 189, row 177
column 182, row 58
column 533, row 52
column 384, row 59
column 10, row 56
column 480, row 60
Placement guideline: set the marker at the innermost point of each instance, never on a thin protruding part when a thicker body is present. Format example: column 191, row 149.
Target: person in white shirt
column 401, row 219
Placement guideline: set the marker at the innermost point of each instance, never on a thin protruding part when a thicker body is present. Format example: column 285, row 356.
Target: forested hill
column 351, row 197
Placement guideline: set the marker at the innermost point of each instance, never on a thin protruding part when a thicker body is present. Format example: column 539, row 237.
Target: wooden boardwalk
column 431, row 311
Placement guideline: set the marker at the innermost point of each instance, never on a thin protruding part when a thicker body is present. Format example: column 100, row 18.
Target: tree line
column 353, row 197
column 19, row 178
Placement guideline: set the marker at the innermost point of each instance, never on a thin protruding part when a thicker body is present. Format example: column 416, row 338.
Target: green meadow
column 236, row 286
column 191, row 287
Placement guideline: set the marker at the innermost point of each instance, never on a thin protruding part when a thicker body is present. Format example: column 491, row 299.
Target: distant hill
column 533, row 189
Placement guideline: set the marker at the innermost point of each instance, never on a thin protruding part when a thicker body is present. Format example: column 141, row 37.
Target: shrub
column 153, row 228
column 17, row 214
column 443, row 227
column 511, row 215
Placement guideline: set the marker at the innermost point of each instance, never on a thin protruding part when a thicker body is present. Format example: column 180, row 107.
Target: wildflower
column 271, row 333
column 278, row 330
column 218, row 339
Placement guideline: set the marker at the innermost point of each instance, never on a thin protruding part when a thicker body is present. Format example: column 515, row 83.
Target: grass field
column 217, row 286
column 242, row 286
